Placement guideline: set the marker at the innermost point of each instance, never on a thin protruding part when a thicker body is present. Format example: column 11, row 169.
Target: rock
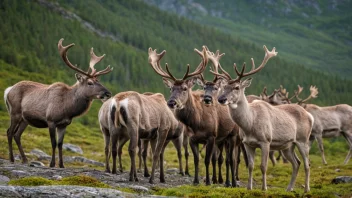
column 342, row 179
column 87, row 161
column 19, row 173
column 172, row 171
column 58, row 191
column 36, row 164
column 139, row 188
column 4, row 180
column 40, row 154
column 337, row 170
column 57, row 177
column 73, row 148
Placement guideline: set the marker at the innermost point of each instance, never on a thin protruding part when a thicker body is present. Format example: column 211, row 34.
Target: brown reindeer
column 137, row 116
column 53, row 106
column 211, row 90
column 267, row 127
column 205, row 121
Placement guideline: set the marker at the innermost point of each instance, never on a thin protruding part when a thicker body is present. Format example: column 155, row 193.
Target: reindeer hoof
column 61, row 166
column 221, row 181
column 136, row 179
column 182, row 173
column 146, row 175
column 121, row 171
column 151, row 181
column 52, row 164
column 227, row 184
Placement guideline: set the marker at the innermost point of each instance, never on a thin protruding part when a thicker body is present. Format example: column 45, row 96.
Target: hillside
column 316, row 34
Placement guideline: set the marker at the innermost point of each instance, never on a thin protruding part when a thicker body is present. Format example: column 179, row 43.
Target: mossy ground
column 79, row 180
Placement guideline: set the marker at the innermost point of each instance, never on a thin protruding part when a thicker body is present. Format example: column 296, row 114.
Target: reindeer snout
column 107, row 94
column 171, row 104
column 222, row 100
column 208, row 99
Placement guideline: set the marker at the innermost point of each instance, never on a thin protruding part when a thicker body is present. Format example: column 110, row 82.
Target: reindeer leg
column 185, row 146
column 220, row 162
column 161, row 162
column 245, row 156
column 145, row 144
column 122, row 141
column 195, row 151
column 250, row 155
column 156, row 155
column 61, row 134
column 208, row 155
column 21, row 127
column 264, row 164
column 178, row 145
column 272, row 157
column 133, row 131
column 227, row 163
column 319, row 139
column 348, row 136
column 234, row 154
column 304, row 150
column 290, row 156
column 10, row 133
column 106, row 134
column 114, row 140
column 52, row 131
column 213, row 162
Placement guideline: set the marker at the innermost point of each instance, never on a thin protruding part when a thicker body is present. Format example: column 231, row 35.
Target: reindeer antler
column 154, row 61
column 94, row 60
column 313, row 94
column 215, row 58
column 240, row 75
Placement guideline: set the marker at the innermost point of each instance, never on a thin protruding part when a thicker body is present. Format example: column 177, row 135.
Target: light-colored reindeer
column 267, row 127
column 54, row 105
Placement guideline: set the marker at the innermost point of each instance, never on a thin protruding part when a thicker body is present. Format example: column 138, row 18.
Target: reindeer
column 52, row 106
column 265, row 126
column 137, row 116
column 210, row 126
column 330, row 121
column 212, row 89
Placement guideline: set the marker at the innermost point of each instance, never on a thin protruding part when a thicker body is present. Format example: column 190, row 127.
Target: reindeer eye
column 215, row 88
column 237, row 88
column 90, row 83
column 184, row 88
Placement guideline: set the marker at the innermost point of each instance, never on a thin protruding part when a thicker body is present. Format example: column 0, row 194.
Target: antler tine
column 94, row 59
column 154, row 61
column 215, row 58
column 224, row 74
column 313, row 94
column 264, row 91
column 201, row 65
column 63, row 53
column 105, row 71
column 268, row 55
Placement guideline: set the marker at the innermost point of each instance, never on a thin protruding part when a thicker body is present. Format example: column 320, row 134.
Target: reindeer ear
column 167, row 83
column 80, row 78
column 246, row 83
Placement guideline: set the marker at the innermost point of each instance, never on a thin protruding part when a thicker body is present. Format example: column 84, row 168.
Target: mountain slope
column 316, row 34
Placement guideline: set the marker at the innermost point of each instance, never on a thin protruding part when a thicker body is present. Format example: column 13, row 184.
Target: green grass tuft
column 31, row 181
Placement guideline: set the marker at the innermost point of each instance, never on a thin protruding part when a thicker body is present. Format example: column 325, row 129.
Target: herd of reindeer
column 220, row 116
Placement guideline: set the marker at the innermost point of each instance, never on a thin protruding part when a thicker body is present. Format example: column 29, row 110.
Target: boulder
column 73, row 148
column 342, row 179
column 41, row 155
column 4, row 180
column 36, row 164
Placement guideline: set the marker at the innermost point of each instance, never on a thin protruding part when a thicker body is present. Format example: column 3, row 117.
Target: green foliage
column 31, row 181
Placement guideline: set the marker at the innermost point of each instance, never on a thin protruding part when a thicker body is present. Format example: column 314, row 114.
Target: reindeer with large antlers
column 52, row 106
column 265, row 126
column 205, row 121
column 330, row 121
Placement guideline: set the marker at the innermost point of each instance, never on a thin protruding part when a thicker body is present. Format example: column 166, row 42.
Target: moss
column 31, row 181
column 83, row 180
column 127, row 190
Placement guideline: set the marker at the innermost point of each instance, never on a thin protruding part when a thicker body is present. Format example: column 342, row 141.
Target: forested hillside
column 124, row 30
column 314, row 33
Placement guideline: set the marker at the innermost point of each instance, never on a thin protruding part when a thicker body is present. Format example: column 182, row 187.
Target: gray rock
column 139, row 188
column 337, row 170
column 73, row 148
column 87, row 161
column 19, row 173
column 36, row 164
column 172, row 170
column 57, row 177
column 342, row 179
column 58, row 191
column 4, row 179
column 40, row 154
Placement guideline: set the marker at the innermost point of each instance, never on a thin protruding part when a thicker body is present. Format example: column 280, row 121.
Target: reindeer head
column 278, row 97
column 234, row 88
column 180, row 88
column 88, row 83
column 211, row 88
